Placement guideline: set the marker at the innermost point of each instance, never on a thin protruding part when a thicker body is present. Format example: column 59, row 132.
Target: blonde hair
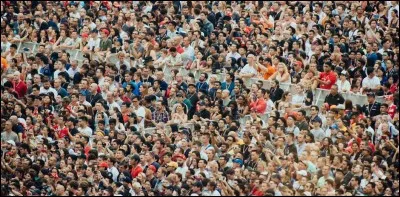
column 284, row 67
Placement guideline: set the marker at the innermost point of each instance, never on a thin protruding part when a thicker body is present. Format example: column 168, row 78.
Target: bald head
column 93, row 87
column 14, row 119
column 110, row 96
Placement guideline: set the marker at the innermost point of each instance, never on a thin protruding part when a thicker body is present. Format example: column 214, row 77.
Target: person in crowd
column 212, row 98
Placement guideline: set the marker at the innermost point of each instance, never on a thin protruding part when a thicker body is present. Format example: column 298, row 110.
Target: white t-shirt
column 343, row 85
column 298, row 99
column 141, row 112
column 86, row 131
column 248, row 69
column 371, row 83
column 93, row 43
column 71, row 72
column 44, row 91
column 269, row 106
column 235, row 55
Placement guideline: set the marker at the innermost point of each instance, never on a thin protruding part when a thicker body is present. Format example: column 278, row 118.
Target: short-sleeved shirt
column 331, row 77
column 9, row 136
column 248, row 69
column 105, row 44
column 371, row 83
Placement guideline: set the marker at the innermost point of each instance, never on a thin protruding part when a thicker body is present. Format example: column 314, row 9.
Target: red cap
column 182, row 156
column 85, row 35
column 151, row 167
column 106, row 31
column 300, row 63
column 103, row 164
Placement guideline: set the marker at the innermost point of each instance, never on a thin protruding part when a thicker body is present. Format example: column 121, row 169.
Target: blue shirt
column 226, row 86
column 202, row 86
column 134, row 86
column 62, row 92
column 137, row 87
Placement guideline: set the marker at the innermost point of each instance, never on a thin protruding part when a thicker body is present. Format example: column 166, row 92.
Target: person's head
column 314, row 110
column 334, row 89
column 371, row 98
column 327, row 66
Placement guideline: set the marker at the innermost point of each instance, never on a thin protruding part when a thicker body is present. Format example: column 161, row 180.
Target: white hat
column 11, row 142
column 302, row 172
column 340, row 106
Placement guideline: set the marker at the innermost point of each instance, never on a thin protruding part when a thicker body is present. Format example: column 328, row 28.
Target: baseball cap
column 82, row 93
column 334, row 126
column 202, row 103
column 302, row 173
column 11, row 142
column 344, row 72
column 299, row 63
column 182, row 156
column 172, row 164
column 238, row 160
column 191, row 84
column 317, row 120
column 127, row 179
column 106, row 31
column 85, row 35
column 340, row 106
column 103, row 164
column 152, row 168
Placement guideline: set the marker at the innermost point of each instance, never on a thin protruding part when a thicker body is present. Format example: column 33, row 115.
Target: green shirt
column 105, row 45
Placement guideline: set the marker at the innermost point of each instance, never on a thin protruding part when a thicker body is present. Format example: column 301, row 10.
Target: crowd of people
column 158, row 102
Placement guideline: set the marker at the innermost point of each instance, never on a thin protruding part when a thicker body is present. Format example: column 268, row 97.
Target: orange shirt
column 271, row 70
column 4, row 64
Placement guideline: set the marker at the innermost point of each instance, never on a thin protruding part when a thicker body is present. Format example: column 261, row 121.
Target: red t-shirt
column 136, row 171
column 393, row 88
column 331, row 77
column 179, row 49
column 21, row 89
column 260, row 105
column 392, row 110
column 62, row 132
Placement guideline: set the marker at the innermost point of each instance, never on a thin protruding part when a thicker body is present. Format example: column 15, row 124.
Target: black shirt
column 276, row 94
column 149, row 80
column 334, row 99
column 372, row 110
column 205, row 114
